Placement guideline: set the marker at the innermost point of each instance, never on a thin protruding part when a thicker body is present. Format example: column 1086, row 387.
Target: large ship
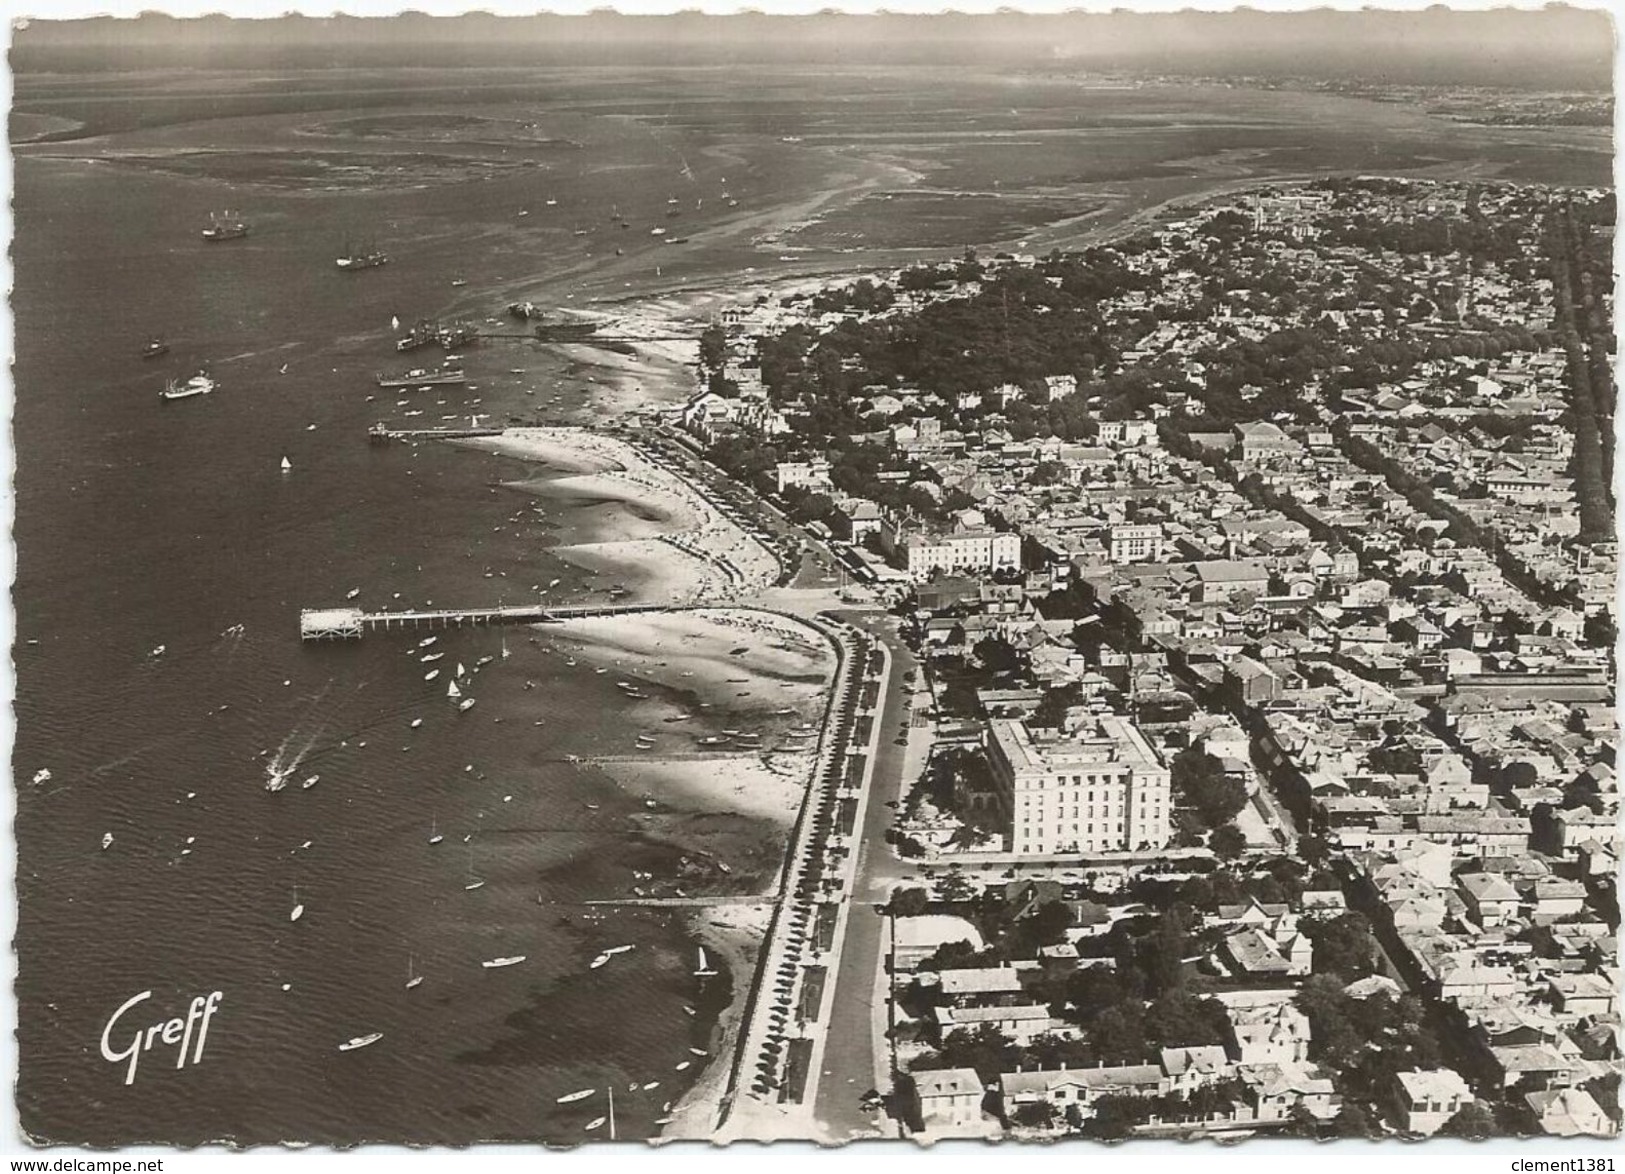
column 458, row 334
column 362, row 257
column 199, row 384
column 423, row 332
column 225, row 226
column 423, row 377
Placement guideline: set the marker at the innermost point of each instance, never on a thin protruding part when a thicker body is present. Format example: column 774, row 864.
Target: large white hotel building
column 1101, row 789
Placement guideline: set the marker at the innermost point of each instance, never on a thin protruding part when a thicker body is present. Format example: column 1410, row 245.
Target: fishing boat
column 365, row 257
column 497, row 963
column 199, row 384
column 704, row 969
column 225, row 226
column 580, row 1094
column 361, row 1041
column 155, row 347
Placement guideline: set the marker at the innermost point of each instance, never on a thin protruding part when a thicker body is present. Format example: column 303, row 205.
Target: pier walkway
column 351, row 623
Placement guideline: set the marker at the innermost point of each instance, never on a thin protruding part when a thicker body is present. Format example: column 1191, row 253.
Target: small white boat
column 698, row 1052
column 159, row 651
column 598, row 961
column 704, row 969
column 310, row 782
column 298, row 912
column 287, row 465
column 432, row 657
column 361, row 1041
column 466, row 704
column 431, row 674
column 495, row 963
column 416, row 722
column 452, row 690
column 472, row 885
column 614, row 950
column 595, row 1123
column 353, row 592
column 412, row 977
column 426, row 641
column 651, row 1086
column 43, row 774
column 684, row 1065
column 434, row 833
column 107, row 841
column 580, row 1094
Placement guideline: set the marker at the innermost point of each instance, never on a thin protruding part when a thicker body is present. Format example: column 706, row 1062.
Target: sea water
column 144, row 524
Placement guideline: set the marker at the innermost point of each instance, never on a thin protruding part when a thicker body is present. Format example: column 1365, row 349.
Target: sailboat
column 434, row 832
column 473, row 881
column 286, row 464
column 704, row 969
column 298, row 906
column 452, row 690
column 412, row 977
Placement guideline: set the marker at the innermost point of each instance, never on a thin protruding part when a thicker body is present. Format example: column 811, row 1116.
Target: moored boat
column 199, row 384
column 497, row 963
column 225, row 226
column 364, row 257
column 361, row 1041
column 424, row 377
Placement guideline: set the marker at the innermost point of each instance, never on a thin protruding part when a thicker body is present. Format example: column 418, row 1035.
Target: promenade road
column 855, row 1056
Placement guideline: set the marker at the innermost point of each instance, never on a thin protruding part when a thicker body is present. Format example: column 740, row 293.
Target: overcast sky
column 1552, row 46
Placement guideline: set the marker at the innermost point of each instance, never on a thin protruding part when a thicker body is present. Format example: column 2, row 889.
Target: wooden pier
column 351, row 623
column 381, row 434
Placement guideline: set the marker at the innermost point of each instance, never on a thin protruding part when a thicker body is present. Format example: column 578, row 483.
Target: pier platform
column 349, row 623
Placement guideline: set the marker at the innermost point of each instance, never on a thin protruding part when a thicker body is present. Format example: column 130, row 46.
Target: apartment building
column 1101, row 789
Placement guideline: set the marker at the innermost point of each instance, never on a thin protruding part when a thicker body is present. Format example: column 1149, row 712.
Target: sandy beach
column 734, row 933
column 668, row 544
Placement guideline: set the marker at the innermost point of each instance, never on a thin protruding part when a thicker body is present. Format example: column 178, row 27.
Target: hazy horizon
column 1558, row 47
